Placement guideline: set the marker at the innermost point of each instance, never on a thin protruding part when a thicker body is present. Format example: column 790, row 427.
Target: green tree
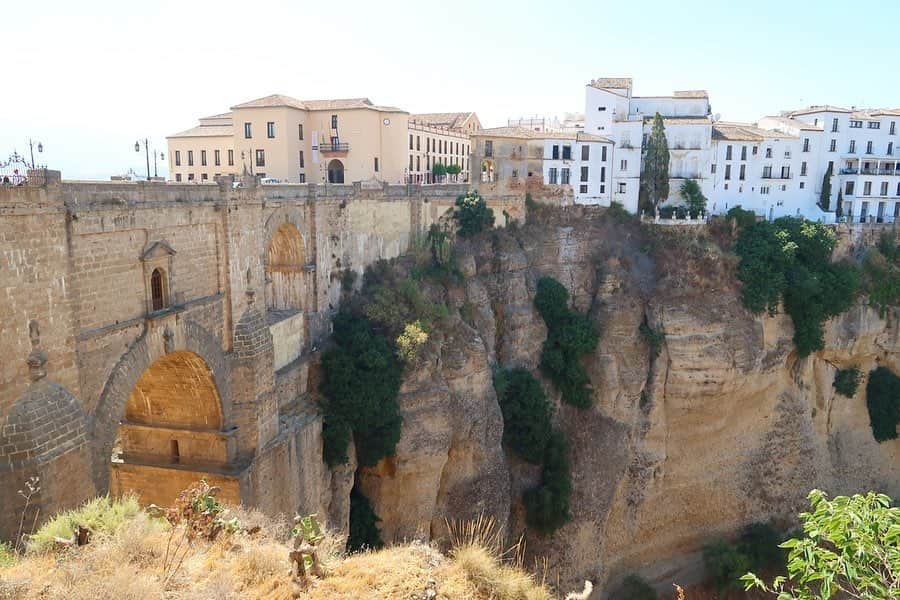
column 454, row 170
column 693, row 198
column 839, row 209
column 472, row 214
column 850, row 548
column 547, row 505
column 527, row 414
column 364, row 533
column 846, row 381
column 883, row 402
column 438, row 170
column 655, row 174
column 825, row 196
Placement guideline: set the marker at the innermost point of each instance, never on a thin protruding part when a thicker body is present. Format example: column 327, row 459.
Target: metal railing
column 339, row 147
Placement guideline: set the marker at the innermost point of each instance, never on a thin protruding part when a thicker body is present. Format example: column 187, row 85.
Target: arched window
column 158, row 289
column 335, row 171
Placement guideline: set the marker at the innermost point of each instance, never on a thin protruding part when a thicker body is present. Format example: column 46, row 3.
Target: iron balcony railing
column 339, row 147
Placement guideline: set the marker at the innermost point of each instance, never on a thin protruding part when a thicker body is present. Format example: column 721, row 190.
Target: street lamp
column 40, row 149
column 137, row 148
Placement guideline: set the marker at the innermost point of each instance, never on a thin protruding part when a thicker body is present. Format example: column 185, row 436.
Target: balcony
column 849, row 171
column 777, row 176
column 337, row 148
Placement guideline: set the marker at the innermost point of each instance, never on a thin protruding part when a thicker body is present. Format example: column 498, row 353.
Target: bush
column 846, row 381
column 364, row 533
column 361, row 380
column 788, row 261
column 726, row 564
column 883, row 402
column 882, row 273
column 100, row 515
column 570, row 336
column 527, row 414
column 634, row 588
column 743, row 218
column 694, row 200
column 472, row 214
column 653, row 337
column 411, row 341
column 547, row 505
column 757, row 549
column 666, row 212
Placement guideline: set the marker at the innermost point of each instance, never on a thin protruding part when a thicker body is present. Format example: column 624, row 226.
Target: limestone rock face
column 725, row 427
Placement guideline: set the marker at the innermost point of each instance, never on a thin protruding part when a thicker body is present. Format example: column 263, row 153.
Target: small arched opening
column 487, row 171
column 158, row 290
column 172, row 433
column 335, row 171
column 285, row 269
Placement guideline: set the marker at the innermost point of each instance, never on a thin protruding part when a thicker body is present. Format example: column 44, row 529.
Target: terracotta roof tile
column 616, row 83
column 205, row 131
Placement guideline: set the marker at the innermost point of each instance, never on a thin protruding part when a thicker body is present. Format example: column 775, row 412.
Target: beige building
column 320, row 141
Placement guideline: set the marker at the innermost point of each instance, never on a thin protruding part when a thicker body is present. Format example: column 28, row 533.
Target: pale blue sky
column 87, row 78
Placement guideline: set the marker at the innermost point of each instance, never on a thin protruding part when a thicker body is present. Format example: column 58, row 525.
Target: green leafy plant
column 849, row 549
column 757, row 548
column 655, row 172
column 846, row 381
column 472, row 214
column 693, row 197
column 454, row 170
column 654, row 337
column 411, row 341
column 547, row 505
column 743, row 218
column 99, row 515
column 883, row 402
column 364, row 533
column 825, row 195
column 438, row 170
column 527, row 414
column 881, row 274
column 570, row 336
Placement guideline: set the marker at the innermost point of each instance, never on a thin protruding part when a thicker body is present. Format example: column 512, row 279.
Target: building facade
column 321, row 141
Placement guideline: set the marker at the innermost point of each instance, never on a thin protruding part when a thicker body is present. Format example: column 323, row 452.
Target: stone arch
column 146, row 350
column 487, row 171
column 285, row 267
column 335, row 171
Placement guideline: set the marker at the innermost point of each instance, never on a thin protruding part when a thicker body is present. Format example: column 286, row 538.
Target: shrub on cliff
column 742, row 218
column 846, row 381
column 634, row 588
column 472, row 214
column 527, row 414
column 789, row 261
column 364, row 533
column 361, row 379
column 570, row 336
column 881, row 271
column 757, row 549
column 547, row 505
column 883, row 402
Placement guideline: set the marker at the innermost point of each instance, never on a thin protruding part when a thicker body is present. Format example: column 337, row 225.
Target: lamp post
column 40, row 149
column 137, row 148
column 162, row 156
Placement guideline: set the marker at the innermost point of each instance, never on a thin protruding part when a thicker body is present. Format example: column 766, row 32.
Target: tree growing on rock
column 655, row 174
column 825, row 196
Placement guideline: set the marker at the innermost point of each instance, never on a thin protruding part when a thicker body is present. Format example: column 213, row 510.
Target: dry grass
column 126, row 563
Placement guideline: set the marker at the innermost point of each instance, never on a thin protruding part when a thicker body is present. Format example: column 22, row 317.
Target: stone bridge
column 155, row 333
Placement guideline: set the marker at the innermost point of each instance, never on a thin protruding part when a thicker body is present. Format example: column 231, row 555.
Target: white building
column 581, row 160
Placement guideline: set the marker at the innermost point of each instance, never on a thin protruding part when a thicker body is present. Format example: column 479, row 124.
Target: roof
column 278, row 100
column 681, row 120
column 272, row 101
column 205, row 131
column 524, row 133
column 801, row 125
column 220, row 116
column 590, row 137
column 817, row 108
column 446, row 119
column 690, row 94
column 744, row 132
column 886, row 112
column 616, row 83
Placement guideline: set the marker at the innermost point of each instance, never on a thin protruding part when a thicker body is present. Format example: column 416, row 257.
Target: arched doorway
column 487, row 171
column 173, row 433
column 285, row 262
column 335, row 171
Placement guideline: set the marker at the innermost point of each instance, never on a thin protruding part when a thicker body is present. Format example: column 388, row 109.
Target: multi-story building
column 439, row 138
column 317, row 141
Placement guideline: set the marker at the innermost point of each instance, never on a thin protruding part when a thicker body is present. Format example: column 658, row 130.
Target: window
column 806, row 144
column 410, row 162
column 601, row 108
column 177, row 176
column 270, row 129
column 849, row 189
column 190, row 176
column 190, row 158
column 428, row 144
column 833, row 146
column 787, row 153
column 248, row 132
column 302, row 177
column 552, row 176
column 203, row 177
column 867, row 188
column 157, row 290
column 602, row 176
column 564, row 177
column 764, row 190
column 602, row 189
column 418, row 164
column 884, row 188
column 203, row 158
column 743, row 152
column 584, row 173
column 178, row 158
column 785, row 172
column 567, row 152
column 868, row 147
column 768, row 153
column 515, row 173
column 802, row 184
column 300, row 131
column 334, row 121
column 712, row 168
column 554, row 152
column 743, row 173
column 727, row 172
column 856, row 124
column 852, row 147
column 767, row 172
column 418, row 143
column 585, row 152
column 755, row 150
column 623, row 165
column 603, row 154
column 488, row 148
column 890, row 149
column 582, row 189
column 874, row 125
column 728, row 152
column 803, row 169
column 260, row 158
column 376, row 164
column 231, row 158
column 410, row 141
column 621, row 187
column 302, row 162
column 898, row 190
column 893, row 128
column 834, row 127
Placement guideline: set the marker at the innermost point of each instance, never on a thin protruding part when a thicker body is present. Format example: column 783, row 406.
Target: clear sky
column 87, row 78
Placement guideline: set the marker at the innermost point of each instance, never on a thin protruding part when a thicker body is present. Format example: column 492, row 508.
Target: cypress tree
column 825, row 196
column 655, row 175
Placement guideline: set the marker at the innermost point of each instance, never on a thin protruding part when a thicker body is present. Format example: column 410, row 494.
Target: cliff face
column 724, row 427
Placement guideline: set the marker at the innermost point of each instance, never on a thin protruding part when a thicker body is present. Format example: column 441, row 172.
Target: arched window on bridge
column 158, row 291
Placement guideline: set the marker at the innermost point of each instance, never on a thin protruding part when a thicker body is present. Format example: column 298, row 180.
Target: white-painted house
column 583, row 161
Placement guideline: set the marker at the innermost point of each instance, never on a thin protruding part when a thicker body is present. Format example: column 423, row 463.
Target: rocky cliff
column 724, row 427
